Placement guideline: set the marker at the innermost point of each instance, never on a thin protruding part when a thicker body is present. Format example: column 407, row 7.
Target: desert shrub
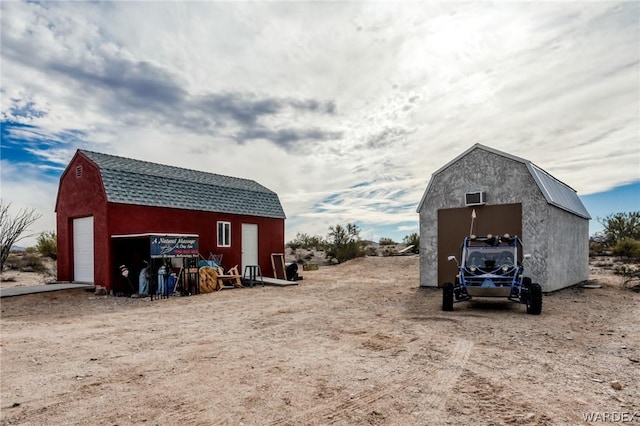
column 31, row 250
column 13, row 262
column 12, row 228
column 47, row 245
column 630, row 275
column 627, row 248
column 32, row 262
column 343, row 243
column 314, row 242
column 412, row 239
column 597, row 247
column 620, row 226
column 294, row 245
column 603, row 264
column 386, row 241
column 388, row 252
column 306, row 241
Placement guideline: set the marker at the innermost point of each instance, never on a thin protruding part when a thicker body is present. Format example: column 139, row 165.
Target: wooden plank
column 277, row 262
column 277, row 282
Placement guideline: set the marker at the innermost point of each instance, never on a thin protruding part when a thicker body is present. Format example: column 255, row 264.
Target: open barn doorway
column 156, row 264
column 455, row 224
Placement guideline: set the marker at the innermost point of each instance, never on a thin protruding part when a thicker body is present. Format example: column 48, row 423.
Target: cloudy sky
column 345, row 109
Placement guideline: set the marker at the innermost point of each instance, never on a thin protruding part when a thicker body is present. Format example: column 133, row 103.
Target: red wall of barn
column 133, row 219
column 81, row 196
column 84, row 196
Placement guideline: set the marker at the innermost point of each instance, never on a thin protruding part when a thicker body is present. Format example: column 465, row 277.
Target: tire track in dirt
column 445, row 378
column 334, row 411
column 438, row 379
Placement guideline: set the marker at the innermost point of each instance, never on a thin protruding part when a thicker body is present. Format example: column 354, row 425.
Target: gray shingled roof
column 554, row 191
column 130, row 181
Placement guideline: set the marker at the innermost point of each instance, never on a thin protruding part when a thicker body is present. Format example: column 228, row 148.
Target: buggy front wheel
column 534, row 299
column 447, row 297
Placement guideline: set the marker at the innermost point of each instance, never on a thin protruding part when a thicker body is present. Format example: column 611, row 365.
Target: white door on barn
column 83, row 250
column 249, row 244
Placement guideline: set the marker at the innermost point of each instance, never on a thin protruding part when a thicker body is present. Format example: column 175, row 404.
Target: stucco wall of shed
column 567, row 260
column 505, row 181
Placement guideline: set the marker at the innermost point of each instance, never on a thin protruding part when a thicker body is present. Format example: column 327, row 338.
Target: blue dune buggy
column 492, row 266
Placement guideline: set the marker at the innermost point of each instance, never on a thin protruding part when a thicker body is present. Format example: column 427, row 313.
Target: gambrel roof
column 554, row 191
column 130, row 181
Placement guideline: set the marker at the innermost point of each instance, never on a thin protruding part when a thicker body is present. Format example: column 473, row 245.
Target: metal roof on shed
column 130, row 181
column 557, row 193
column 554, row 191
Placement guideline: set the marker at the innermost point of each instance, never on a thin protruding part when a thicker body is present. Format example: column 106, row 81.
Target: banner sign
column 173, row 246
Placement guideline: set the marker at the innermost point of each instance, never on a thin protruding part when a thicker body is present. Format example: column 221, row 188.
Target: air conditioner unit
column 477, row 198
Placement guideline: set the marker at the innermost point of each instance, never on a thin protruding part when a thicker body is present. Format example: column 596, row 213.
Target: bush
column 627, row 248
column 620, row 226
column 388, row 252
column 343, row 243
column 12, row 228
column 414, row 240
column 13, row 262
column 306, row 241
column 630, row 275
column 27, row 261
column 386, row 241
column 32, row 262
column 597, row 247
column 47, row 245
column 294, row 245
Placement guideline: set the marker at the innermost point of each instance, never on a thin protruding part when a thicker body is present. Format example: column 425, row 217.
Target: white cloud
column 314, row 100
column 24, row 189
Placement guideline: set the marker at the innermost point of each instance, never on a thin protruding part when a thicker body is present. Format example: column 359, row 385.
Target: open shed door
column 455, row 224
column 83, row 250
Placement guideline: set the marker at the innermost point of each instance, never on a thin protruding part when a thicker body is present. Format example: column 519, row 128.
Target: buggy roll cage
column 490, row 252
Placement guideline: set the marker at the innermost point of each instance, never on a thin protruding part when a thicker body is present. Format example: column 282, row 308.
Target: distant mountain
column 18, row 248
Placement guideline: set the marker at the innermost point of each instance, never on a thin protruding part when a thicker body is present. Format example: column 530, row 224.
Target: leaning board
column 277, row 262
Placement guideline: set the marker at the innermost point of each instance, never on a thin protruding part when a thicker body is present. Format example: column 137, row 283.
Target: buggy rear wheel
column 534, row 299
column 447, row 297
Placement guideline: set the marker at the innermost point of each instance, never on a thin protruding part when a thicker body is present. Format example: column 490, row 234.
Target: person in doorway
column 162, row 271
column 163, row 275
column 143, row 280
column 124, row 271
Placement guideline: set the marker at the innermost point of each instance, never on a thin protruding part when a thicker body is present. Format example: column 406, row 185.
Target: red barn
column 108, row 208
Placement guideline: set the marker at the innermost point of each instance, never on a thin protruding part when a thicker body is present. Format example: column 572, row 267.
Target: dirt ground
column 357, row 343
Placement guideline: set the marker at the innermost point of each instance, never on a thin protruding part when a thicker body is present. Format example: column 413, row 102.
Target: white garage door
column 83, row 250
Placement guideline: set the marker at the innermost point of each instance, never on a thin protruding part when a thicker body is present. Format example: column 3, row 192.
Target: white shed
column 509, row 195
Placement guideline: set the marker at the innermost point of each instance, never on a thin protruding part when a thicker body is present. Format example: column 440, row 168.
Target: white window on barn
column 224, row 234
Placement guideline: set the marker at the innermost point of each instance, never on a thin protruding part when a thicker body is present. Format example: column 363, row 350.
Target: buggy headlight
column 505, row 268
column 472, row 268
